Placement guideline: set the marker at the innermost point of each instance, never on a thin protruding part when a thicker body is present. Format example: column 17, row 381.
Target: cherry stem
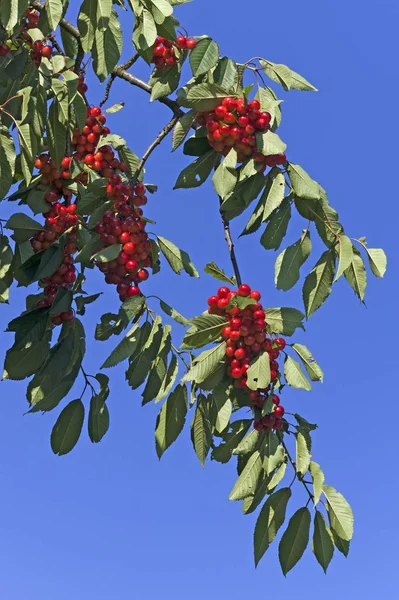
column 230, row 245
column 311, row 497
column 87, row 383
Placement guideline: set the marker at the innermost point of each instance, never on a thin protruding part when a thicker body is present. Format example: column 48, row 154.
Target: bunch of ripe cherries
column 246, row 337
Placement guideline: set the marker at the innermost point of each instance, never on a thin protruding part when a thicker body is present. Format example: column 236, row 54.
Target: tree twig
column 162, row 135
column 230, row 245
column 129, row 63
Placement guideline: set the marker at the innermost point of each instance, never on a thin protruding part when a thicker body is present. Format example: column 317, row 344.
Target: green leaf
column 204, row 329
column 163, row 7
column 204, row 56
column 270, row 143
column 87, row 23
column 226, row 75
column 54, row 13
column 56, row 133
column 303, row 454
column 205, row 364
column 289, row 262
column 270, row 519
column 302, row 184
column 198, row 171
column 224, row 452
column 223, row 407
column 7, row 161
column 294, row 375
column 98, row 423
column 171, row 419
column 278, row 476
column 323, row 545
column 141, row 362
column 295, row 539
column 378, row 261
column 115, row 108
column 225, row 177
column 258, row 374
column 284, row 320
column 24, row 227
column 340, row 513
column 82, row 301
column 356, row 275
column 174, row 314
column 274, row 193
column 178, row 259
column 68, row 427
column 24, row 360
column 248, row 444
column 107, row 254
column 218, row 273
column 155, row 388
column 318, row 481
column 345, row 255
column 125, row 349
column 205, row 96
column 341, row 545
column 272, row 452
column 182, row 128
column 201, row 434
column 246, row 482
column 104, row 8
column 312, row 368
column 289, row 79
column 164, row 82
column 318, row 284
column 107, row 48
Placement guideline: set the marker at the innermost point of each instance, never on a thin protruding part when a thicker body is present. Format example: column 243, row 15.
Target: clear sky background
column 111, row 521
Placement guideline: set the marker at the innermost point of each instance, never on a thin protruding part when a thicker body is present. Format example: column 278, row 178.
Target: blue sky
column 111, row 521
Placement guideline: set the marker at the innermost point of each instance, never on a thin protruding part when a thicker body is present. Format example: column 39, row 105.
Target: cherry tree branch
column 161, row 136
column 230, row 246
column 129, row 63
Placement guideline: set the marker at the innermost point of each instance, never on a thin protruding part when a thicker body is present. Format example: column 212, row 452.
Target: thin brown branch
column 230, row 245
column 161, row 136
column 172, row 104
column 129, row 63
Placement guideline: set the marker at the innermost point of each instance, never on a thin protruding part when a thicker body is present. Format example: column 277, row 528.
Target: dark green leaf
column 295, row 539
column 270, row 519
column 284, row 320
column 258, row 374
column 204, row 56
column 204, row 329
column 197, row 172
column 277, row 227
column 323, row 545
column 218, row 273
column 294, row 375
column 318, row 284
column 98, row 423
column 67, row 430
column 178, row 259
column 171, row 419
column 289, row 262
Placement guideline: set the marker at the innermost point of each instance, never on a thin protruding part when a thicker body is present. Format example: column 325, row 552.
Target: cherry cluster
column 233, row 124
column 246, row 337
column 164, row 50
column 124, row 225
column 59, row 219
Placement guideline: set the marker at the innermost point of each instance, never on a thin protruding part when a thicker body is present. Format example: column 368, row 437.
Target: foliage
column 43, row 127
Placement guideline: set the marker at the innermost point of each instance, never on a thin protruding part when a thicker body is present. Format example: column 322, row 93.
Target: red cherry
column 235, row 336
column 143, row 274
column 4, row 50
column 220, row 112
column 133, row 291
column 213, row 301
column 222, row 303
column 278, row 424
column 258, row 425
column 226, row 332
column 235, row 323
column 181, row 41
column 129, row 248
column 223, row 292
column 275, row 399
column 279, row 412
column 236, row 373
column 239, row 354
column 131, row 265
column 95, row 111
column 281, row 343
column 254, row 105
column 268, row 421
column 273, row 375
column 244, row 290
column 190, row 44
column 229, row 352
